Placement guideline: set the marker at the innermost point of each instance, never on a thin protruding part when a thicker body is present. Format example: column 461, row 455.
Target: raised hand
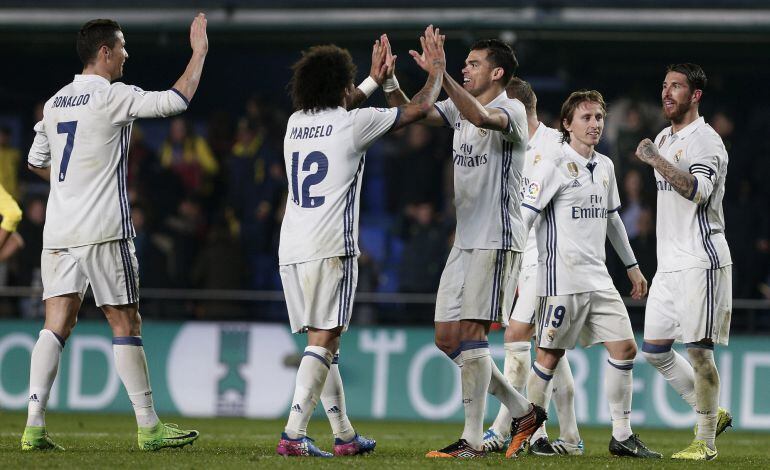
column 198, row 39
column 390, row 59
column 647, row 151
column 379, row 54
column 432, row 58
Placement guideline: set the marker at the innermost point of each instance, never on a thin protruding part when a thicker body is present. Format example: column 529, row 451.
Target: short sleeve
column 372, row 123
column 517, row 121
column 704, row 165
column 544, row 183
column 448, row 112
column 126, row 103
column 40, row 152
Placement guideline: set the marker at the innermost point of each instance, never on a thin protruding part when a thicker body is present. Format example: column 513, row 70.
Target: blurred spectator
column 152, row 251
column 189, row 156
column 425, row 249
column 415, row 172
column 186, row 228
column 9, row 163
column 26, row 264
column 631, row 207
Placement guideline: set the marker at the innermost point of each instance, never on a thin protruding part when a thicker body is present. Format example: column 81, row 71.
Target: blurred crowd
column 208, row 197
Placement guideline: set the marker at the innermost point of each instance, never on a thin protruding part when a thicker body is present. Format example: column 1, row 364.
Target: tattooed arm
column 682, row 181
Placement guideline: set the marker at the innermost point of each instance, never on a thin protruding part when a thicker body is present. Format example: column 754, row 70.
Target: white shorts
column 524, row 310
column 477, row 285
column 110, row 268
column 690, row 305
column 319, row 294
column 591, row 317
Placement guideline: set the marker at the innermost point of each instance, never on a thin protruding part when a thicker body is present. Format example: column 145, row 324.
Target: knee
column 518, row 331
column 625, row 351
column 446, row 345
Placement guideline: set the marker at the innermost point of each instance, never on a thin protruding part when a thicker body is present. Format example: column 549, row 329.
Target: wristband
column 368, row 86
column 390, row 84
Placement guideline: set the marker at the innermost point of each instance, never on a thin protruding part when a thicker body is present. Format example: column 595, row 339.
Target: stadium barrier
column 247, row 369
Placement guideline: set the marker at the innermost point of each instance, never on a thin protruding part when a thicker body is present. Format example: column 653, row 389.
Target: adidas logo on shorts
column 296, row 408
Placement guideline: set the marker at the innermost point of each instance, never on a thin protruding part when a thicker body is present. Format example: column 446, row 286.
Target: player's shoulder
column 706, row 140
column 509, row 104
column 604, row 160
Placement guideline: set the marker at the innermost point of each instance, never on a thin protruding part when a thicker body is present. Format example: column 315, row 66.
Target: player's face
column 676, row 96
column 587, row 123
column 478, row 72
column 118, row 56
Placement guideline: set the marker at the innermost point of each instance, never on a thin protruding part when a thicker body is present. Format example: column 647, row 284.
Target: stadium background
column 207, row 227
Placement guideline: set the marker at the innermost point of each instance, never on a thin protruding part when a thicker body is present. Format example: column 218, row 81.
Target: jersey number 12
column 303, row 198
column 68, row 128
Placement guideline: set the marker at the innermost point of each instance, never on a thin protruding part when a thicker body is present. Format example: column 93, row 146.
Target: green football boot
column 724, row 421
column 164, row 435
column 697, row 450
column 36, row 438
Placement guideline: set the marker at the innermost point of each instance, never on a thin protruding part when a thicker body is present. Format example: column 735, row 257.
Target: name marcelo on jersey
column 70, row 101
column 311, row 132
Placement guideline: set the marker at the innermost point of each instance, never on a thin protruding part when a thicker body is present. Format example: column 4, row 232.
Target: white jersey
column 691, row 231
column 544, row 143
column 83, row 138
column 324, row 155
column 487, row 177
column 574, row 197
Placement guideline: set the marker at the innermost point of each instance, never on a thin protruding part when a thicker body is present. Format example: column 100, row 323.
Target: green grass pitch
column 109, row 441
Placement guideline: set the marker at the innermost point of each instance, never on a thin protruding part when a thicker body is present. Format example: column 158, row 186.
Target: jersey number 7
column 322, row 167
column 68, row 128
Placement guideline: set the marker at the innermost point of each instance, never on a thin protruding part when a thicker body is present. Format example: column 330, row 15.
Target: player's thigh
column 484, row 286
column 112, row 270
column 706, row 305
column 61, row 274
column 320, row 293
column 449, row 297
column 524, row 310
column 559, row 320
column 660, row 314
column 607, row 320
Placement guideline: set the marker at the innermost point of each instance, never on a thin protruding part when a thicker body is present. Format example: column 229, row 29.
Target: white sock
column 516, row 403
column 538, row 383
column 43, row 367
column 564, row 399
column 541, row 432
column 333, row 399
column 131, row 365
column 619, row 383
column 674, row 368
column 311, row 377
column 516, row 369
column 706, row 393
column 476, row 375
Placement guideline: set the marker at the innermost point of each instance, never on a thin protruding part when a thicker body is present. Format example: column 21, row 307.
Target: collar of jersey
column 570, row 152
column 91, row 78
column 683, row 133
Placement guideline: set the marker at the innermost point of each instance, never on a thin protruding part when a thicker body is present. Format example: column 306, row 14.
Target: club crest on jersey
column 573, row 169
column 532, row 192
column 678, row 155
column 538, row 157
column 483, row 132
column 550, row 335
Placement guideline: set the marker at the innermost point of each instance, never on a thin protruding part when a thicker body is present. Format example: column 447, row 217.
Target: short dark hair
column 521, row 90
column 499, row 54
column 93, row 35
column 696, row 77
column 321, row 77
column 571, row 104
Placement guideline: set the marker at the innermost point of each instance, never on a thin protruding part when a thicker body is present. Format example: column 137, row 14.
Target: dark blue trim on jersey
column 336, row 359
column 468, row 345
column 349, row 215
column 127, row 341
column 694, row 189
column 541, row 374
column 550, row 244
column 613, row 210
column 655, row 348
column 705, row 232
column 398, row 115
column 123, row 201
column 505, row 197
column 621, row 366
column 186, row 101
column 530, row 207
column 448, row 124
column 319, row 357
column 509, row 128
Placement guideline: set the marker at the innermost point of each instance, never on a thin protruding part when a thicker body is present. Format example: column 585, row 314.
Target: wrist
column 632, row 266
column 390, row 84
column 368, row 86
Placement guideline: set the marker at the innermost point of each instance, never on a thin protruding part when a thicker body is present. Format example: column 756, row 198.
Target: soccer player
column 324, row 151
column 691, row 295
column 577, row 194
column 81, row 146
column 544, row 142
column 476, row 287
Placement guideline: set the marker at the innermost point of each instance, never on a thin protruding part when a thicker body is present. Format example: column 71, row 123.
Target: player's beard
column 677, row 113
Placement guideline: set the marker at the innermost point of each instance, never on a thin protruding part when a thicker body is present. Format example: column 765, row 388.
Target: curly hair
column 93, row 35
column 320, row 78
column 571, row 104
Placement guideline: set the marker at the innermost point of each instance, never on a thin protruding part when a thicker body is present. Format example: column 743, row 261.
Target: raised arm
column 683, row 182
column 188, row 82
column 493, row 119
column 434, row 60
column 373, row 81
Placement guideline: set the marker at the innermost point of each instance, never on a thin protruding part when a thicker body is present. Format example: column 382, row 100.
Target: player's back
column 324, row 156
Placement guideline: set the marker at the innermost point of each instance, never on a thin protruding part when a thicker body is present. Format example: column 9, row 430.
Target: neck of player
column 680, row 122
column 95, row 69
column 532, row 124
column 583, row 149
column 489, row 94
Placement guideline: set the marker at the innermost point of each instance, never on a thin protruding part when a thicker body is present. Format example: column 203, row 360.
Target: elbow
column 477, row 119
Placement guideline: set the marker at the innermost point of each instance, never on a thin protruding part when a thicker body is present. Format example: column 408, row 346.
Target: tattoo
column 396, row 98
column 421, row 104
column 355, row 99
column 430, row 91
column 682, row 181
